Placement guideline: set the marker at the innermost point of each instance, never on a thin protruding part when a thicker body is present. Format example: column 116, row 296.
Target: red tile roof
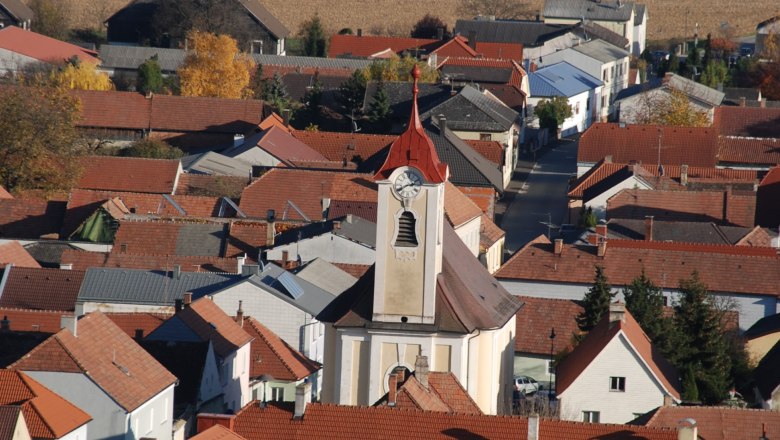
column 30, row 218
column 491, row 150
column 47, row 414
column 115, row 363
column 274, row 120
column 129, row 174
column 767, row 211
column 210, row 323
column 639, row 143
column 538, row 317
column 217, row 432
column 41, row 289
column 485, row 198
column 500, row 51
column 366, row 45
column 133, row 111
column 356, row 270
column 753, row 122
column 443, row 394
column 722, row 268
column 130, row 322
column 723, row 207
column 458, row 208
column 24, row 320
column 489, row 233
column 14, row 253
column 334, row 422
column 720, row 423
column 83, row 260
column 272, row 356
column 345, row 146
column 570, row 368
column 743, row 150
column 5, row 194
column 510, row 95
column 282, row 145
column 43, row 48
column 246, row 238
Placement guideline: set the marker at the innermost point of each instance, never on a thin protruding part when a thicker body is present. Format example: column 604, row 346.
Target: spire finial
column 416, row 76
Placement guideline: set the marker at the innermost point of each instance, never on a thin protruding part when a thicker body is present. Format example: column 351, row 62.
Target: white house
column 96, row 366
column 602, row 60
column 582, row 90
column 615, row 374
column 204, row 321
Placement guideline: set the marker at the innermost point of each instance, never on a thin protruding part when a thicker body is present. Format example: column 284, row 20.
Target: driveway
column 541, row 198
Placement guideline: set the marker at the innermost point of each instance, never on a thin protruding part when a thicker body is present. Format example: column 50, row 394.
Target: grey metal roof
column 327, row 276
column 200, row 239
column 130, row 57
column 590, row 29
column 325, row 63
column 601, row 50
column 350, row 227
column 639, row 10
column 477, row 73
column 602, row 10
column 215, row 164
column 473, row 111
column 18, row 9
column 528, row 33
column 150, row 287
column 560, row 79
column 467, row 166
column 312, row 300
column 696, row 90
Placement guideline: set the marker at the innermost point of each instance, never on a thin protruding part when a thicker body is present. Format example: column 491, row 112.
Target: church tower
column 410, row 216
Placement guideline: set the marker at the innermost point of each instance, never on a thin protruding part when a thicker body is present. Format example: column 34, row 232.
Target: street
column 540, row 196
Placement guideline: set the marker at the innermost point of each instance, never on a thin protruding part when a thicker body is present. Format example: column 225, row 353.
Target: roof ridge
column 43, row 420
column 19, row 309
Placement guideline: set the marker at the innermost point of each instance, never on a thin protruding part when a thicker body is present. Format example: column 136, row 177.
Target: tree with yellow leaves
column 215, row 67
column 672, row 108
column 79, row 75
column 396, row 68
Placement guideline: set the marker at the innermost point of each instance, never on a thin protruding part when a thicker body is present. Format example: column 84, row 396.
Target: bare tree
column 174, row 18
column 509, row 9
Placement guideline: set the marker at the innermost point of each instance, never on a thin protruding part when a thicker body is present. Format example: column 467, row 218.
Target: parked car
column 526, row 385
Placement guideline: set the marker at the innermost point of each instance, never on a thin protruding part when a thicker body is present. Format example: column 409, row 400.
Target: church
column 426, row 295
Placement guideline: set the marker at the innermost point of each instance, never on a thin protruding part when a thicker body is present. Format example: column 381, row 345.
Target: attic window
column 407, row 230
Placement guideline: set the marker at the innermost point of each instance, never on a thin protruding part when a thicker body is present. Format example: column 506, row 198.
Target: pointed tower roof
column 414, row 147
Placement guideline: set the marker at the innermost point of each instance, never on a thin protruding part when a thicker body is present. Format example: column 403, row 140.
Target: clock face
column 407, row 184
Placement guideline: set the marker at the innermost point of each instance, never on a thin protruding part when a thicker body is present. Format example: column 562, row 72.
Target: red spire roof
column 414, row 148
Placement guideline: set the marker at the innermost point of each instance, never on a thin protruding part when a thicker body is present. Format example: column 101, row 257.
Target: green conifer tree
column 596, row 301
column 379, row 110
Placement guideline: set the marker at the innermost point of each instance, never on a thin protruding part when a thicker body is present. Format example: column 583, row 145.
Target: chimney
column 687, row 430
column 187, row 300
column 349, row 218
column 270, row 229
column 66, row 266
column 421, row 370
column 742, row 101
column 648, row 228
column 558, row 246
column 176, row 272
column 238, row 139
column 5, row 324
column 241, row 261
column 439, row 33
column 400, row 372
column 360, row 32
column 473, row 40
column 392, row 389
column 601, row 231
column 617, row 312
column 285, row 257
column 302, row 398
column 69, row 322
column 668, row 400
column 240, row 314
column 325, row 207
column 533, row 67
column 207, row 420
column 337, row 224
column 178, row 305
column 608, row 158
column 248, row 270
column 139, row 334
column 762, row 103
column 601, row 250
column 286, row 117
column 442, row 124
column 533, row 427
column 684, row 175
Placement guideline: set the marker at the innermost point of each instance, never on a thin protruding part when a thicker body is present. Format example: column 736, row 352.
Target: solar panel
column 290, row 285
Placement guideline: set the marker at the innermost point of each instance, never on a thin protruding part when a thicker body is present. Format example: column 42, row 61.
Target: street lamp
column 549, row 369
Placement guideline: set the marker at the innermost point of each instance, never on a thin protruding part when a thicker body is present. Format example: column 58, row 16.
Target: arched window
column 407, row 230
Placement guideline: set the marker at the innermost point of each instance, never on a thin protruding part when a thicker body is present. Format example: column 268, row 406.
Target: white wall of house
column 84, row 246
column 84, row 307
column 469, row 234
column 494, row 255
column 210, row 384
column 109, row 420
column 591, row 390
column 580, row 118
column 79, row 433
column 599, row 203
column 275, row 391
column 330, row 247
column 640, row 37
column 751, row 308
column 235, row 379
column 12, row 62
column 564, row 41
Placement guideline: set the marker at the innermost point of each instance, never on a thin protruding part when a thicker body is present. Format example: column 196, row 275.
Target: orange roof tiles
column 459, row 208
column 210, row 323
column 639, row 143
column 334, row 422
column 43, row 48
column 345, row 146
column 41, row 288
column 5, row 194
column 723, row 207
column 489, row 233
column 47, row 414
column 30, row 218
column 272, row 356
column 748, row 150
column 217, row 432
column 273, row 120
column 538, row 317
column 491, row 150
column 753, row 122
column 597, row 339
column 356, row 270
column 720, row 423
column 25, row 320
column 366, row 45
column 83, row 260
column 14, row 253
column 721, row 268
column 500, row 51
column 444, row 394
column 485, row 198
column 129, row 174
column 130, row 322
column 118, row 365
column 246, row 238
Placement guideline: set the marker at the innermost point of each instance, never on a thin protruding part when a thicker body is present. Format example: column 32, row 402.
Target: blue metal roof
column 561, row 79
